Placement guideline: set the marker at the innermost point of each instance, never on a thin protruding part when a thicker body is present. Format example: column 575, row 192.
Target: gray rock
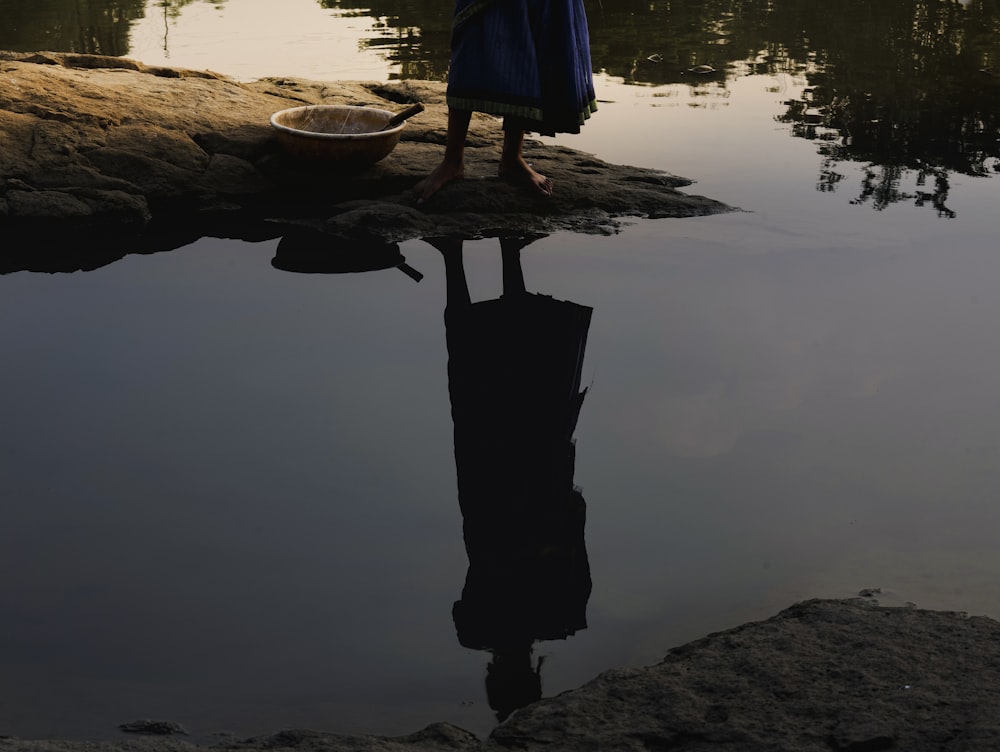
column 438, row 737
column 152, row 728
column 863, row 732
column 819, row 675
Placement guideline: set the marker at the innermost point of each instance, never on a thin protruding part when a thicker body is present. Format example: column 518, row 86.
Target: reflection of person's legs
column 510, row 254
column 456, row 286
column 514, row 167
column 452, row 167
column 513, row 276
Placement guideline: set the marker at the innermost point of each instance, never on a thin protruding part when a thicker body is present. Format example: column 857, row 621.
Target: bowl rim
column 333, row 136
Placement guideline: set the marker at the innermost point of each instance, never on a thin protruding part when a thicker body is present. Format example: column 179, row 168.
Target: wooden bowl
column 337, row 135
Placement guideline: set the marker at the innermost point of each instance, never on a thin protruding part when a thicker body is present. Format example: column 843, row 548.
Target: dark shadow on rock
column 514, row 374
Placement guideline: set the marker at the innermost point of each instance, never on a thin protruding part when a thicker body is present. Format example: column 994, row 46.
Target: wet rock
column 152, row 728
column 438, row 737
column 863, row 732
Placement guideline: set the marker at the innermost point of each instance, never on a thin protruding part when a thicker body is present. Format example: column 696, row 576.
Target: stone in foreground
column 821, row 676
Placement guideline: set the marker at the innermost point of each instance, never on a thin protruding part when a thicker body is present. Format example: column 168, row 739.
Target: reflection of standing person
column 514, row 371
column 527, row 61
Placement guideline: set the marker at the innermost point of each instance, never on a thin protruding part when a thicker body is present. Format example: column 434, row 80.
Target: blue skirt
column 525, row 60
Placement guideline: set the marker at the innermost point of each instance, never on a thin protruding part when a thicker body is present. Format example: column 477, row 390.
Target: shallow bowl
column 339, row 135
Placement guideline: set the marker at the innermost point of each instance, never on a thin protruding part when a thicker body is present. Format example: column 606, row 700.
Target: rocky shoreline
column 842, row 675
column 115, row 157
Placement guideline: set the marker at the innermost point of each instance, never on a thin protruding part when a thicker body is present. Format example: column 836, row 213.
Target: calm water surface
column 230, row 491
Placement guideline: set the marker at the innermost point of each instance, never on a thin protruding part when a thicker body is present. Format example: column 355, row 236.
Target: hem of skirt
column 532, row 118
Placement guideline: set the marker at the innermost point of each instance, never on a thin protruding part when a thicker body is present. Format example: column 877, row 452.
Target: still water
column 230, row 491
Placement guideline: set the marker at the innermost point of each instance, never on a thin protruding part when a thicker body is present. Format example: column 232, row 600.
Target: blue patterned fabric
column 525, row 60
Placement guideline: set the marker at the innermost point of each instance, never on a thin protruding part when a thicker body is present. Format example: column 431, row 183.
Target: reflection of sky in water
column 242, row 473
column 246, row 489
column 247, row 39
column 793, row 401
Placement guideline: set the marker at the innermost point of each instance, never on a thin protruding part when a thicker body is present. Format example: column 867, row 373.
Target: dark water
column 230, row 491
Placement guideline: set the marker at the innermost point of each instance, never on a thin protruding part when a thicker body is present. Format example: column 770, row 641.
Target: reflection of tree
column 906, row 88
column 86, row 26
column 173, row 7
column 881, row 186
column 678, row 35
column 99, row 27
column 659, row 42
column 172, row 10
column 412, row 35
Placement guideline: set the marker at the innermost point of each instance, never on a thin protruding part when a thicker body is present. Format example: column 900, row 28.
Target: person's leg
column 513, row 167
column 452, row 167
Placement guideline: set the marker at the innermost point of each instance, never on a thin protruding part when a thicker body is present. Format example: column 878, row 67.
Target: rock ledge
column 122, row 157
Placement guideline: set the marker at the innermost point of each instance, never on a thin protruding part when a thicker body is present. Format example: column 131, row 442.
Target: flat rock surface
column 119, row 149
column 843, row 675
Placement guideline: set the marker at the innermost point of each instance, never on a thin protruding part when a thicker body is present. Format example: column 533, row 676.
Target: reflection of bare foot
column 518, row 171
column 444, row 173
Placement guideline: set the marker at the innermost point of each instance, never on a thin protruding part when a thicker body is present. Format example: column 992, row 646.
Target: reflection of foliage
column 659, row 42
column 648, row 41
column 881, row 187
column 99, row 27
column 905, row 86
column 172, row 8
column 413, row 35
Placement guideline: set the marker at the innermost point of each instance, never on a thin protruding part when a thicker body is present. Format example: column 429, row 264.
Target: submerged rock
column 152, row 728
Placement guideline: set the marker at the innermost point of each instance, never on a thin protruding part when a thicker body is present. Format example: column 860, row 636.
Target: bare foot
column 518, row 171
column 444, row 173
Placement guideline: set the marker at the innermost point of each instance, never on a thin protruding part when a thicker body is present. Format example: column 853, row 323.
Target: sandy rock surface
column 119, row 150
column 841, row 676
